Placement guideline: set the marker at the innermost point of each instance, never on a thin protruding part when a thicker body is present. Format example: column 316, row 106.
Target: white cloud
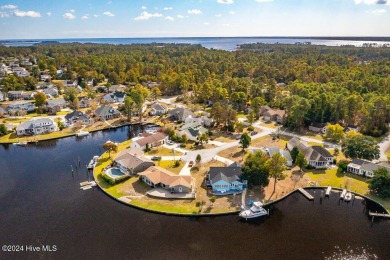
column 72, row 10
column 218, row 15
column 84, row 17
column 225, row 1
column 263, row 1
column 48, row 13
column 232, row 12
column 9, row 7
column 180, row 16
column 377, row 12
column 96, row 15
column 108, row 14
column 145, row 16
column 206, row 23
column 194, row 11
column 170, row 18
column 168, row 8
column 4, row 15
column 143, row 7
column 69, row 16
column 31, row 14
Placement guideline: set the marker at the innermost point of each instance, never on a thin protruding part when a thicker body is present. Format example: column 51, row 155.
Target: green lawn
column 354, row 182
column 185, row 207
column 169, row 166
column 162, row 151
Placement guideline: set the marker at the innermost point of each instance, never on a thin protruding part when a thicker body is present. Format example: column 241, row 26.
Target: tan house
column 270, row 114
column 159, row 177
column 132, row 161
column 153, row 140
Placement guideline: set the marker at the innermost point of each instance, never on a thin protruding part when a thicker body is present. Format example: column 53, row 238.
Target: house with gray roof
column 152, row 140
column 107, row 112
column 52, row 91
column 55, row 105
column 318, row 127
column 15, row 94
column 21, row 105
column 116, row 97
column 2, row 96
column 192, row 131
column 286, row 154
column 180, row 113
column 36, row 126
column 203, row 120
column 365, row 168
column 316, row 156
column 226, row 180
column 158, row 109
column 78, row 117
column 132, row 161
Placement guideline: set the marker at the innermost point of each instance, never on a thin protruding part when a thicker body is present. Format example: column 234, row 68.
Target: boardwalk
column 306, row 194
column 382, row 215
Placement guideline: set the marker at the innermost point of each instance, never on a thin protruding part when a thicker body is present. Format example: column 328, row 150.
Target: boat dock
column 306, row 194
column 343, row 193
column 382, row 215
column 328, row 190
column 86, row 185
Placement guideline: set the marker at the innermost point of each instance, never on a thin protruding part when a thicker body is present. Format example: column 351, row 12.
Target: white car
column 169, row 142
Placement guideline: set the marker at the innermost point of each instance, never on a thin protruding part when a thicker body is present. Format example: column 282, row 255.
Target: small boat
column 348, row 196
column 93, row 162
column 342, row 195
column 255, row 211
column 24, row 143
column 82, row 133
column 328, row 190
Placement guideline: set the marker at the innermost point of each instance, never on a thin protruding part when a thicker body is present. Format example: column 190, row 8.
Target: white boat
column 348, row 196
column 93, row 162
column 342, row 195
column 82, row 133
column 21, row 143
column 255, row 211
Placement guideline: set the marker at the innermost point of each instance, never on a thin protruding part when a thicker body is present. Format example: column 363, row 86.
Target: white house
column 21, row 105
column 152, row 140
column 36, row 126
column 365, row 168
column 286, row 154
column 158, row 109
column 116, row 97
column 203, row 120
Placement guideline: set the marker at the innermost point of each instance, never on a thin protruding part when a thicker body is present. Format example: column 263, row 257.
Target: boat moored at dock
column 256, row 210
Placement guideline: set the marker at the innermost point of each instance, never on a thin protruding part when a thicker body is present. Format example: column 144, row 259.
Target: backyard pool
column 114, row 173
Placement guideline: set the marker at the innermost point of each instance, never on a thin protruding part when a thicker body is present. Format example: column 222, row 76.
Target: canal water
column 41, row 204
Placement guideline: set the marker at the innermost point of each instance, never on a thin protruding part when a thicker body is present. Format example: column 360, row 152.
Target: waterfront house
column 21, row 105
column 55, row 105
column 286, row 154
column 365, row 168
column 77, row 117
column 156, row 176
column 316, row 156
column 226, row 180
column 132, row 161
column 180, row 113
column 36, row 126
column 116, row 97
column 318, row 127
column 192, row 131
column 107, row 112
column 158, row 109
column 152, row 140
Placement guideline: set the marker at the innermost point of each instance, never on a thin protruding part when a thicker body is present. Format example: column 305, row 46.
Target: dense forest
column 346, row 85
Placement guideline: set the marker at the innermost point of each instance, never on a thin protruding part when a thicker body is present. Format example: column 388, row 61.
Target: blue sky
column 49, row 19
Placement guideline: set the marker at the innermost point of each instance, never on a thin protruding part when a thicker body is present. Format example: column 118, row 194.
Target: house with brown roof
column 270, row 114
column 156, row 176
column 132, row 161
column 153, row 140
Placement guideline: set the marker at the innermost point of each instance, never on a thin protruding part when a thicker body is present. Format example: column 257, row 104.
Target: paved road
column 383, row 146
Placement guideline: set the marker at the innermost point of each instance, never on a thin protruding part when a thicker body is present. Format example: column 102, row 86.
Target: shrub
column 194, row 168
column 176, row 164
column 251, row 128
column 309, row 167
column 182, row 145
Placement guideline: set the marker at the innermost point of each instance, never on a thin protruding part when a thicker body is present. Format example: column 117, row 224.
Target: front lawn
column 163, row 151
column 169, row 165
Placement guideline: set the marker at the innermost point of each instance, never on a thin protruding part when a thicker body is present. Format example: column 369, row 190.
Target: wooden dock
column 328, row 190
column 382, row 215
column 306, row 194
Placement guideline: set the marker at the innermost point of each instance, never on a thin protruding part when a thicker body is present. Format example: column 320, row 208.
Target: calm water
column 222, row 43
column 41, row 204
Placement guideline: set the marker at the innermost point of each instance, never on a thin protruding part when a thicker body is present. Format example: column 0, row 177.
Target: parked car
column 254, row 133
column 169, row 142
column 191, row 163
column 156, row 158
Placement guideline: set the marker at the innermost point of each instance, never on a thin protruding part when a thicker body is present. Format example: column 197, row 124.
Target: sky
column 48, row 19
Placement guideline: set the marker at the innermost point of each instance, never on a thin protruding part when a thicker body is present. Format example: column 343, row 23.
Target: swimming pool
column 114, row 173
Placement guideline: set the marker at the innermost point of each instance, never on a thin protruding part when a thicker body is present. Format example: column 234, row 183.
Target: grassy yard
column 169, row 165
column 163, row 151
column 351, row 181
column 271, row 124
column 235, row 154
column 13, row 138
column 266, row 141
